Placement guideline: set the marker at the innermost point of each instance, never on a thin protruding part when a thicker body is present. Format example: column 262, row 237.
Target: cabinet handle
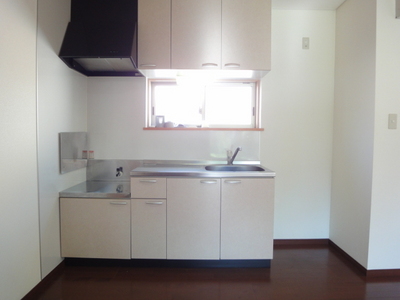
column 148, row 65
column 208, row 181
column 149, row 180
column 154, row 202
column 209, row 65
column 118, row 203
column 233, row 181
column 232, row 65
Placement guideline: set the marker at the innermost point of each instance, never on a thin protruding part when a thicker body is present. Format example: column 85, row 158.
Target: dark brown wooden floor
column 296, row 273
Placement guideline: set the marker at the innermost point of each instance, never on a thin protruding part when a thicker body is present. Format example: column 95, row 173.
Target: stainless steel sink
column 206, row 169
column 234, row 168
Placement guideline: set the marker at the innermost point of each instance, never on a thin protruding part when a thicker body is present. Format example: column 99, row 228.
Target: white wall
column 353, row 127
column 62, row 105
column 116, row 117
column 297, row 117
column 384, row 241
column 19, row 216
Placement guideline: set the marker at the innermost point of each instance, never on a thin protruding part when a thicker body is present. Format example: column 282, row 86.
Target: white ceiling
column 307, row 4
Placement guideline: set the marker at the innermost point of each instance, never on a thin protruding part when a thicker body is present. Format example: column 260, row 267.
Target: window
column 217, row 105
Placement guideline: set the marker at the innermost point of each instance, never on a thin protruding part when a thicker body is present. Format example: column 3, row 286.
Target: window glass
column 178, row 105
column 229, row 104
column 222, row 104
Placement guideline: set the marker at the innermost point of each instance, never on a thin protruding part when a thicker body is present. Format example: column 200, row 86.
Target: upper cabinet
column 154, row 34
column 196, row 34
column 246, row 34
column 207, row 34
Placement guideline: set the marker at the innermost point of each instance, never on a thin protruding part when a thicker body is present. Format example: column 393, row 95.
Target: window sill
column 203, row 129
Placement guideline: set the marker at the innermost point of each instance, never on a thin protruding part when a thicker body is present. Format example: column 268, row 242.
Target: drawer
column 148, row 187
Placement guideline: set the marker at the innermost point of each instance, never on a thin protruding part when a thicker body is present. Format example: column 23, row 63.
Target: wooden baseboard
column 383, row 273
column 348, row 259
column 278, row 243
column 356, row 265
column 294, row 243
column 36, row 291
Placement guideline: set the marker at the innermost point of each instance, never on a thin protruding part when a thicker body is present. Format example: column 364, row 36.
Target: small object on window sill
column 159, row 121
column 181, row 126
column 168, row 125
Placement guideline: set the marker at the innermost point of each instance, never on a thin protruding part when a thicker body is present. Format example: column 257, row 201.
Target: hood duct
column 101, row 38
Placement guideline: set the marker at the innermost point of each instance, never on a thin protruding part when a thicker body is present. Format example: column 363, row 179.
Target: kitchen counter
column 196, row 170
column 98, row 189
column 173, row 211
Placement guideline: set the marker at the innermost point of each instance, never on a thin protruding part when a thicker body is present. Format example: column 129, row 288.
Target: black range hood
column 101, row 38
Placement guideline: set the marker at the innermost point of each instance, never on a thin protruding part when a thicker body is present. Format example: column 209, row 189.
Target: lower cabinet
column 95, row 228
column 193, row 222
column 149, row 222
column 174, row 218
column 247, row 210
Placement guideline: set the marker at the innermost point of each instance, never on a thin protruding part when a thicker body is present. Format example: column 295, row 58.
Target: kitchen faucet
column 120, row 171
column 231, row 157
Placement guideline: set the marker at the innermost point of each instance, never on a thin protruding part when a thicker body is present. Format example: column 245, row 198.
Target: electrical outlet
column 392, row 121
column 306, row 43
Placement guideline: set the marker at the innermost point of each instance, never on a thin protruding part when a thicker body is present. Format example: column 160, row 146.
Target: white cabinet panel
column 154, row 34
column 208, row 218
column 193, row 224
column 247, row 218
column 206, row 34
column 149, row 232
column 95, row 228
column 196, row 34
column 151, row 187
column 246, row 34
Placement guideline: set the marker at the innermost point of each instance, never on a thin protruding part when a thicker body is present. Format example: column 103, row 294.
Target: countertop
column 121, row 189
column 198, row 170
column 98, row 189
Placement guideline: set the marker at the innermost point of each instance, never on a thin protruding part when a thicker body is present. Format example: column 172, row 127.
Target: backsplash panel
column 106, row 169
column 115, row 127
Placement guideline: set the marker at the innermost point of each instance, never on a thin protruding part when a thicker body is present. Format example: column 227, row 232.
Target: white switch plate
column 306, row 43
column 392, row 121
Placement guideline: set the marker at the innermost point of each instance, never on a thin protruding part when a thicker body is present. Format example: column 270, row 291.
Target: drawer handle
column 149, row 180
column 232, row 65
column 208, row 181
column 118, row 203
column 209, row 65
column 232, row 181
column 148, row 65
column 154, row 202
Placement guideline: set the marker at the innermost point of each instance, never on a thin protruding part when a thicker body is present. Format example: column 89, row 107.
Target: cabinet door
column 148, row 187
column 247, row 218
column 196, row 34
column 246, row 34
column 95, row 228
column 154, row 34
column 193, row 222
column 149, row 232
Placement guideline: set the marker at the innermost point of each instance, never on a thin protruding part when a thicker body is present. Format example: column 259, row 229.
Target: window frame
column 150, row 107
